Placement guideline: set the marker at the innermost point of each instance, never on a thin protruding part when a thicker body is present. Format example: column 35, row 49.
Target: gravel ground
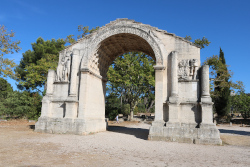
column 123, row 145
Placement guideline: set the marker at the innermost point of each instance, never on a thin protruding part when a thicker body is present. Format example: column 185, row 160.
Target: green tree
column 241, row 103
column 5, row 88
column 202, row 43
column 219, row 75
column 15, row 104
column 131, row 77
column 112, row 106
column 33, row 68
column 221, row 84
column 149, row 101
column 83, row 30
column 7, row 45
column 222, row 89
column 21, row 105
column 34, row 65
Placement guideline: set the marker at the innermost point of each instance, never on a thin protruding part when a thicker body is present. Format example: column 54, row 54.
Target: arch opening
column 131, row 85
column 112, row 47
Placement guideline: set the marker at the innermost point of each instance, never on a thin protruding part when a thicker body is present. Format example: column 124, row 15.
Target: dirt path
column 123, row 145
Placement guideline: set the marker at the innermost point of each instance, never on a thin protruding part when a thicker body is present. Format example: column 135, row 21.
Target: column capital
column 159, row 67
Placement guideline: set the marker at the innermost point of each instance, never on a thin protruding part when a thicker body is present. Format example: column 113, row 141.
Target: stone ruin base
column 69, row 126
column 185, row 133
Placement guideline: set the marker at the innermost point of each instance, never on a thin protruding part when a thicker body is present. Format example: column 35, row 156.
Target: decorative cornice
column 124, row 21
column 159, row 67
column 94, row 74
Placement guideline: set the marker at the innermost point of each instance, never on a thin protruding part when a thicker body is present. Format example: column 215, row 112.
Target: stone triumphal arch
column 75, row 97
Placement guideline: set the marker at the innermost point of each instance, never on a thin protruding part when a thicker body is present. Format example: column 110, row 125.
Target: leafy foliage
column 33, row 68
column 37, row 73
column 199, row 42
column 222, row 100
column 220, row 83
column 241, row 103
column 5, row 88
column 219, row 75
column 131, row 77
column 34, row 65
column 7, row 45
column 21, row 105
column 112, row 106
column 83, row 30
column 15, row 104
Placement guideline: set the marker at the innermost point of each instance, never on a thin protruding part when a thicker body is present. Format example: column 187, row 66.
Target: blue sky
column 226, row 23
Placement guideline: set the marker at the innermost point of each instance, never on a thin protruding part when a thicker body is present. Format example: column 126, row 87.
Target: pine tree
column 222, row 102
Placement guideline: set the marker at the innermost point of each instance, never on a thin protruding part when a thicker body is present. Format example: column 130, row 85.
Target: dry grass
column 235, row 140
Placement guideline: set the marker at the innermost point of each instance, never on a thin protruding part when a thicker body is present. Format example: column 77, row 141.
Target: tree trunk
column 121, row 104
column 131, row 112
column 151, row 106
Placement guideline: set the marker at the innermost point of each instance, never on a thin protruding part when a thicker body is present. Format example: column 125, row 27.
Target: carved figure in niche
column 59, row 69
column 66, row 67
column 63, row 68
column 187, row 69
column 193, row 68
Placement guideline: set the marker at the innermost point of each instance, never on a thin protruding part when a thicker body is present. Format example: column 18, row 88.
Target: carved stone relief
column 63, row 68
column 187, row 69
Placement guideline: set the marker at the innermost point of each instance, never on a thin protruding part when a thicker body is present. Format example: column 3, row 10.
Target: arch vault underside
column 114, row 46
column 75, row 97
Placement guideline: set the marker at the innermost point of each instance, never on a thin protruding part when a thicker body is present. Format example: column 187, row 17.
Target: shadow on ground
column 32, row 127
column 137, row 132
column 236, row 132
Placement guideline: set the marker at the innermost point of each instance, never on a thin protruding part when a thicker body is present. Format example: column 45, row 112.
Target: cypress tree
column 222, row 102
